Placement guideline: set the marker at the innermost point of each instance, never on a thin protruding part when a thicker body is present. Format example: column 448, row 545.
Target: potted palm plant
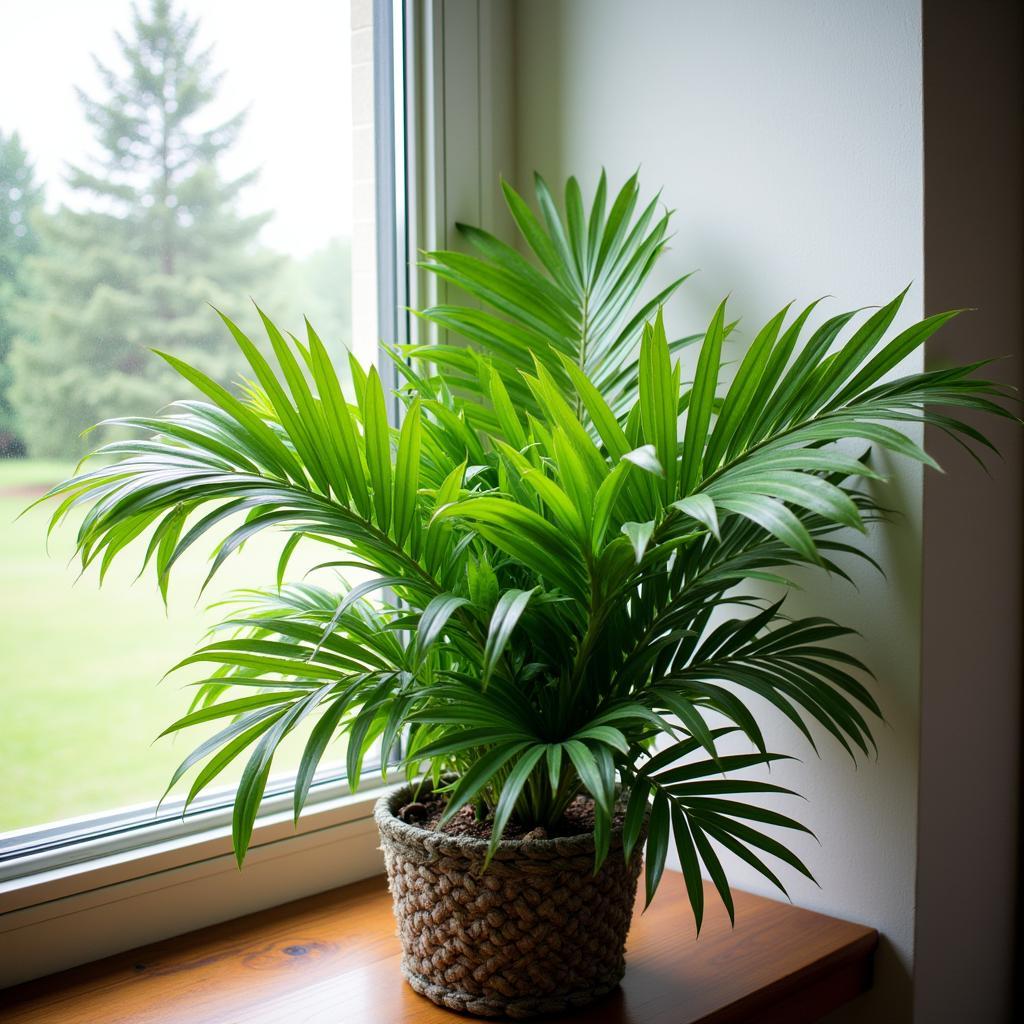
column 562, row 554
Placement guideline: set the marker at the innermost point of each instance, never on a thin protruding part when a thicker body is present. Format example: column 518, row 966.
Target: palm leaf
column 561, row 554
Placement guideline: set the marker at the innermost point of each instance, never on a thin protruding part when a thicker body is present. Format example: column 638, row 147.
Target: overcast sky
column 288, row 61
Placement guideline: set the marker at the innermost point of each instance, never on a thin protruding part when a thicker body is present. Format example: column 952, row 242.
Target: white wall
column 788, row 138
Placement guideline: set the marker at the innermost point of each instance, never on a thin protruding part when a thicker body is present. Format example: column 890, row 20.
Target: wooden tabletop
column 335, row 958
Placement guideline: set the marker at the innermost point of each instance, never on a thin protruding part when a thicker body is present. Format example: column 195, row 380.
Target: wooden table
column 335, row 958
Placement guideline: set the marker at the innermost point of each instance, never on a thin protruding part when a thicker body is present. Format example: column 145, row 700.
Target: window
column 152, row 158
column 438, row 81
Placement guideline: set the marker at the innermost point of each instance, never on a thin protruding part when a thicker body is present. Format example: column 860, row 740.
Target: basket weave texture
column 537, row 932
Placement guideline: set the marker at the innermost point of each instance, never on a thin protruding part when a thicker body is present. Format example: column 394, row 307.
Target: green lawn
column 80, row 665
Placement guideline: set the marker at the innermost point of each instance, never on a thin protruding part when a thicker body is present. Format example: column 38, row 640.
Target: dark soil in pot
column 577, row 820
column 537, row 932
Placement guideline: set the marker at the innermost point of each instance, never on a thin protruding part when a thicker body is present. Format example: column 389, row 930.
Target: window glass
column 156, row 158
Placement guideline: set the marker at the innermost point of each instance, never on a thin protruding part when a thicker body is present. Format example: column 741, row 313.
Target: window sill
column 306, row 960
column 109, row 900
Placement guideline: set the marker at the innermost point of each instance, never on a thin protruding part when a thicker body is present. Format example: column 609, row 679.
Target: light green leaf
column 698, row 415
column 507, row 613
column 434, row 619
column 378, row 448
column 639, row 535
column 407, row 473
column 701, row 507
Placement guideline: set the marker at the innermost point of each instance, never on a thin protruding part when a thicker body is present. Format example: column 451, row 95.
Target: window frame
column 60, row 845
column 54, row 919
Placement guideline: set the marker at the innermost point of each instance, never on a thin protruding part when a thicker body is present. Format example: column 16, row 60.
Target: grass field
column 80, row 666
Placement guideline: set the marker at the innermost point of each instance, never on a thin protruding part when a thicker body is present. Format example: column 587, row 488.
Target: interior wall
column 971, row 673
column 788, row 138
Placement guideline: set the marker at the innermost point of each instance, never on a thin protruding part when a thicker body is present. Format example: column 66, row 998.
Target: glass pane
column 152, row 163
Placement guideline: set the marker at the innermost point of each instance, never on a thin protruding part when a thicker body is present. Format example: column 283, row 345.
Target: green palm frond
column 558, row 560
column 578, row 305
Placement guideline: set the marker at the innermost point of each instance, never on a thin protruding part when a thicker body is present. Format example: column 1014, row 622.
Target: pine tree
column 20, row 196
column 319, row 287
column 158, row 237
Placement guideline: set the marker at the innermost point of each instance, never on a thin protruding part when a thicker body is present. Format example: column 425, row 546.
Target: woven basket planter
column 537, row 932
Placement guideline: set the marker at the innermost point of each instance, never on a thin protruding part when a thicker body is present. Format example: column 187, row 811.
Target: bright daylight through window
column 154, row 158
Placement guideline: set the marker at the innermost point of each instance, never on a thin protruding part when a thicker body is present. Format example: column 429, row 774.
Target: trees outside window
column 161, row 236
column 187, row 170
column 20, row 198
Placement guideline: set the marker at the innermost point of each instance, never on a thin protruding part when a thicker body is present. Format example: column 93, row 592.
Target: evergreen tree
column 20, row 196
column 158, row 238
column 319, row 286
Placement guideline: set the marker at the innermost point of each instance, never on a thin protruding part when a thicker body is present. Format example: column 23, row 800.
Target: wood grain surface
column 335, row 958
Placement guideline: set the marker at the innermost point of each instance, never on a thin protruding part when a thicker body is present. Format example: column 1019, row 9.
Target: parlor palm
column 555, row 546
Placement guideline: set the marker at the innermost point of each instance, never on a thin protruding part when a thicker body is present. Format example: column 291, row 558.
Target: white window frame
column 58, row 916
column 448, row 64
